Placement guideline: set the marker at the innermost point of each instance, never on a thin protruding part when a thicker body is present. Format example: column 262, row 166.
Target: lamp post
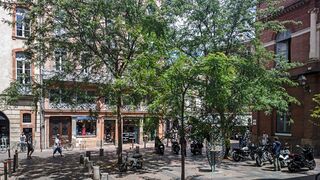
column 302, row 80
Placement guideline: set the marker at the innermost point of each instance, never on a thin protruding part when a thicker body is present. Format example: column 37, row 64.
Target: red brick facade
column 303, row 130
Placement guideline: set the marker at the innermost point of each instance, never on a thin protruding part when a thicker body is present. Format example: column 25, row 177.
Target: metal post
column 17, row 159
column 9, row 167
column 14, row 163
column 88, row 154
column 5, row 170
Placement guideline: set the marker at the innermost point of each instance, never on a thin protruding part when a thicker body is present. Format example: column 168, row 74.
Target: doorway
column 4, row 129
column 61, row 126
column 109, row 131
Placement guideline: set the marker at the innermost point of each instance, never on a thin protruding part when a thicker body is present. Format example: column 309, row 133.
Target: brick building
column 299, row 43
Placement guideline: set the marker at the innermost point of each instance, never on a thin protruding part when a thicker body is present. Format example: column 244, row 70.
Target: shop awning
column 86, row 118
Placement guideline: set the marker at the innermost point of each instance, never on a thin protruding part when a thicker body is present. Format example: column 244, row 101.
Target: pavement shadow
column 66, row 167
column 309, row 177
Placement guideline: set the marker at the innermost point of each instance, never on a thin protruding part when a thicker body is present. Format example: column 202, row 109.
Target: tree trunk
column 183, row 142
column 119, row 118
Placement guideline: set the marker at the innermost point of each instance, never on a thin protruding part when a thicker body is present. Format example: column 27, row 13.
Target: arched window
column 26, row 118
column 283, row 41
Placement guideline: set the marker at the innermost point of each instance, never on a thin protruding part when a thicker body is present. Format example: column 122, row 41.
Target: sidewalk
column 43, row 166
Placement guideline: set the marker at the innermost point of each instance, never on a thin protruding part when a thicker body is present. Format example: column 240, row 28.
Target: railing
column 69, row 106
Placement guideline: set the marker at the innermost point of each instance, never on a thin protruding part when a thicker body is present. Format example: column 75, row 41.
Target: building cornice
column 287, row 9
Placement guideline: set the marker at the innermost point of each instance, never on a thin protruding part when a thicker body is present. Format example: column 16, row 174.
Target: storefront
column 131, row 130
column 109, row 131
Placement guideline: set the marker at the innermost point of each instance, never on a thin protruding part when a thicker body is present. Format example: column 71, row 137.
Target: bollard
column 5, row 170
column 88, row 154
column 9, row 161
column 101, row 152
column 85, row 162
column 137, row 149
column 17, row 160
column 81, row 159
column 96, row 172
column 89, row 166
column 14, row 163
column 104, row 176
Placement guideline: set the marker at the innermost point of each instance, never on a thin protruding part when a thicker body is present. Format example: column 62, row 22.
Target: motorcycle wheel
column 312, row 165
column 139, row 165
column 123, row 167
column 236, row 157
column 176, row 150
column 252, row 156
column 259, row 161
column 291, row 167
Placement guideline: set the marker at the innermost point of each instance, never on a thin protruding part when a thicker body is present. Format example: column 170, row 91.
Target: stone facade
column 304, row 48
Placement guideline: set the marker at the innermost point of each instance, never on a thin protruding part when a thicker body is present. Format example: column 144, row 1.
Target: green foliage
column 316, row 111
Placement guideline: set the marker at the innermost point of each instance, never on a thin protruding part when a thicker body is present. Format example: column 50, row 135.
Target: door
column 61, row 126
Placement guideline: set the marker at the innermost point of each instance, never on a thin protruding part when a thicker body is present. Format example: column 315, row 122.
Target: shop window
column 283, row 123
column 22, row 23
column 26, row 118
column 87, row 127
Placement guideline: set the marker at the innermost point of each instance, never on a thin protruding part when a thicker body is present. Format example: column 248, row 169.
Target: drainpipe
column 313, row 33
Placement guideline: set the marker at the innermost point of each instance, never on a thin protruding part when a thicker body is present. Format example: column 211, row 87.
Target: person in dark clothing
column 30, row 148
column 276, row 153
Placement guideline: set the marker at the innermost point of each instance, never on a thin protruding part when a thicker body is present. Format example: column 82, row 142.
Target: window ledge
column 283, row 134
column 19, row 37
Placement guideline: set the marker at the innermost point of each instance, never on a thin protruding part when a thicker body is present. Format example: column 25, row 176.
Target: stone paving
column 43, row 166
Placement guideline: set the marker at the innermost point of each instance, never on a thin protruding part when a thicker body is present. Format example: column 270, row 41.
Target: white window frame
column 23, row 59
column 22, row 12
column 62, row 58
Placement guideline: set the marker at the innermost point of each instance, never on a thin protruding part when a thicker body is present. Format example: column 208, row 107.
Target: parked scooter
column 133, row 161
column 196, row 147
column 175, row 147
column 159, row 146
column 284, row 157
column 262, row 155
column 244, row 153
column 302, row 160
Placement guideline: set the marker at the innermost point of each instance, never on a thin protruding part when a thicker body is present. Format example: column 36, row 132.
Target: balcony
column 86, row 106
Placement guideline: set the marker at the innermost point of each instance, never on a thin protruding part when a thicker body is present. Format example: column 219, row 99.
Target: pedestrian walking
column 22, row 141
column 30, row 147
column 276, row 153
column 57, row 145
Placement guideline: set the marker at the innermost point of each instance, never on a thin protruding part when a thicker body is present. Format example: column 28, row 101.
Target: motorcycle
column 175, row 147
column 244, row 153
column 196, row 147
column 133, row 161
column 304, row 159
column 159, row 146
column 262, row 155
column 284, row 157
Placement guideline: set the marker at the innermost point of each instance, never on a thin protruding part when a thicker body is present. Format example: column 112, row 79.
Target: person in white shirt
column 57, row 146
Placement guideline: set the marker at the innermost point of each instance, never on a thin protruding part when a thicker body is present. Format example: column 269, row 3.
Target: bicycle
column 68, row 145
column 20, row 147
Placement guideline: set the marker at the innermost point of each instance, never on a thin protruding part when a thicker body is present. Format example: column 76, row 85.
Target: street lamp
column 303, row 82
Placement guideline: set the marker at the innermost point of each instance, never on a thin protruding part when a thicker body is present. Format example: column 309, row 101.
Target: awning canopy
column 86, row 118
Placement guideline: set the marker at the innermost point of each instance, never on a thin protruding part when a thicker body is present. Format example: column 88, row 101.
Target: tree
column 98, row 41
column 316, row 111
column 174, row 85
column 235, row 76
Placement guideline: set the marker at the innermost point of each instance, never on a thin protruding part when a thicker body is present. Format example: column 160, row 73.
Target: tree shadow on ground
column 66, row 167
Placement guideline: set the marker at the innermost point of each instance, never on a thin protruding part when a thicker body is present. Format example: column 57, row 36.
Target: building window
column 86, row 126
column 22, row 23
column 85, row 59
column 283, row 123
column 23, row 72
column 26, row 118
column 60, row 59
column 283, row 41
